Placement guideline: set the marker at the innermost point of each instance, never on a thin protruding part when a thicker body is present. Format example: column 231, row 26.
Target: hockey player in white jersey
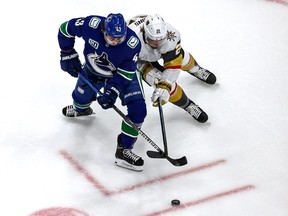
column 160, row 40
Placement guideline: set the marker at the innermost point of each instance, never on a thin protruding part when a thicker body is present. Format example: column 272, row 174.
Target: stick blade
column 179, row 162
column 155, row 154
column 176, row 162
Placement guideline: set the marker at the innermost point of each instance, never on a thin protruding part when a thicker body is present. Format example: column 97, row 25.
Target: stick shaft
column 162, row 126
column 176, row 162
column 146, row 137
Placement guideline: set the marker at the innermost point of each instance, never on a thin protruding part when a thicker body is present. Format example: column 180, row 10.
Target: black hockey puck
column 175, row 202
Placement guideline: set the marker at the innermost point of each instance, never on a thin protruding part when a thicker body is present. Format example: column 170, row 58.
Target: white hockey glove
column 162, row 91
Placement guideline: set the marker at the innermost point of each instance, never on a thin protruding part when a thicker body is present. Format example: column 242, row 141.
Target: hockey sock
column 178, row 97
column 188, row 62
column 128, row 136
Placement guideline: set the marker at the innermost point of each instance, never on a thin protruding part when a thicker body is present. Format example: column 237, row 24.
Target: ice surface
column 236, row 166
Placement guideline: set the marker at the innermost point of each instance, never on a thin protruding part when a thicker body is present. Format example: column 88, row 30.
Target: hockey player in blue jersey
column 110, row 51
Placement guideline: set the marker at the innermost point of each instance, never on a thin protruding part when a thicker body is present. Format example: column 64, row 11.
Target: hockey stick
column 163, row 126
column 175, row 162
column 156, row 154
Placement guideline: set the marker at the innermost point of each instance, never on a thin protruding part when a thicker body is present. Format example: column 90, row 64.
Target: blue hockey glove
column 108, row 99
column 70, row 62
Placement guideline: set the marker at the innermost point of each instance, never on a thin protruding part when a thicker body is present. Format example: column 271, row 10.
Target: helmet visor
column 156, row 43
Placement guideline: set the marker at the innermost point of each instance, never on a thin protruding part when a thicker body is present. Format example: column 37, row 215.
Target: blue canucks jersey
column 116, row 63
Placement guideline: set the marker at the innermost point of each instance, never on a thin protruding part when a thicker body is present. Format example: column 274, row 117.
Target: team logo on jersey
column 101, row 64
column 171, row 36
column 94, row 22
column 132, row 42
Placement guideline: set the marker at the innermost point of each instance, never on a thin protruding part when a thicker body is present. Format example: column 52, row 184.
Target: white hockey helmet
column 155, row 30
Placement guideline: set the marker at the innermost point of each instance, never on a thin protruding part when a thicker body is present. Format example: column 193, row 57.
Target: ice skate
column 196, row 112
column 127, row 159
column 69, row 111
column 205, row 76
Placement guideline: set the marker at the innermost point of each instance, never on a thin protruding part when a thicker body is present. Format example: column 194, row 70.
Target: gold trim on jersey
column 175, row 63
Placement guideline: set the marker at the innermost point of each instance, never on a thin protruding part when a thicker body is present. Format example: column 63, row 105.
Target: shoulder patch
column 93, row 43
column 94, row 22
column 171, row 36
column 132, row 42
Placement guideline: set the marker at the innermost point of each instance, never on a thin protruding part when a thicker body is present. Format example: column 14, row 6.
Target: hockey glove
column 162, row 91
column 108, row 99
column 70, row 62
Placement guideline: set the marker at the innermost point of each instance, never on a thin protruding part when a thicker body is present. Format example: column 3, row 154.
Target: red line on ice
column 87, row 175
column 203, row 200
column 173, row 175
column 106, row 192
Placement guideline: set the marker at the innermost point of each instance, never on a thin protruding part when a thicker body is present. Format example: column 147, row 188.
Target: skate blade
column 128, row 166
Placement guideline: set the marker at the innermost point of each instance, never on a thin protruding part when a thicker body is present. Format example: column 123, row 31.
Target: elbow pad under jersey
column 171, row 75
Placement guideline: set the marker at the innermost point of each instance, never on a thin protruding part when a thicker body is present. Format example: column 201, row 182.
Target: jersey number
column 79, row 22
column 178, row 49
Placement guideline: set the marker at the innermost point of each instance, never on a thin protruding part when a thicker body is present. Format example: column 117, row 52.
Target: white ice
column 244, row 42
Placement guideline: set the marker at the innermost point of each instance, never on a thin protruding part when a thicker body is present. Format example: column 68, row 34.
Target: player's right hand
column 162, row 91
column 70, row 62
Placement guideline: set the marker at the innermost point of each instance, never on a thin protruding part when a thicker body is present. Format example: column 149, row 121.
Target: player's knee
column 137, row 111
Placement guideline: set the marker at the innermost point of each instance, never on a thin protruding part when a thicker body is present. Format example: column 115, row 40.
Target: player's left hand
column 162, row 91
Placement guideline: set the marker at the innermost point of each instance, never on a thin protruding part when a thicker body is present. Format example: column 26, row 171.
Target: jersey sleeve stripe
column 64, row 30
